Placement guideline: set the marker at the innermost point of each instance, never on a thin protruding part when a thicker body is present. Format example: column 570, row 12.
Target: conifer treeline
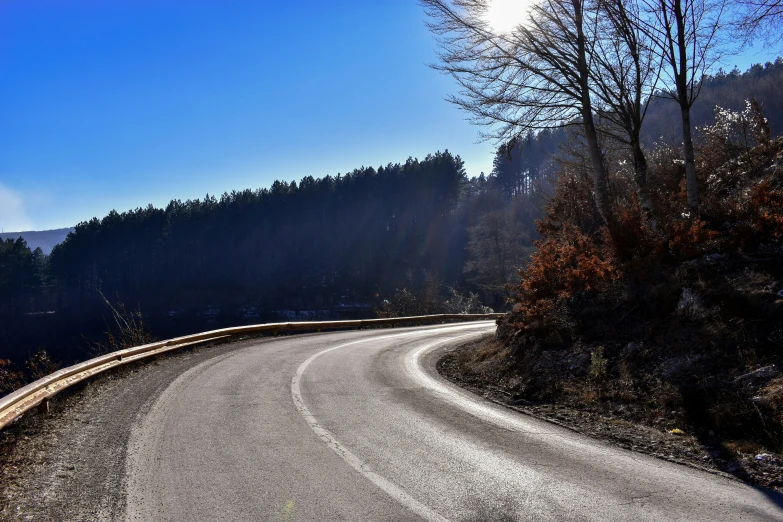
column 316, row 243
column 339, row 244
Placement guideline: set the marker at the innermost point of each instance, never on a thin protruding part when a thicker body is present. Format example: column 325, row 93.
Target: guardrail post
column 274, row 333
column 43, row 407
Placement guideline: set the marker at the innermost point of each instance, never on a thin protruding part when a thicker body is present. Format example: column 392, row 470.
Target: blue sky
column 117, row 104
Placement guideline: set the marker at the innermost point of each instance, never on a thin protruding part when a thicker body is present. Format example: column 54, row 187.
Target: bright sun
column 505, row 15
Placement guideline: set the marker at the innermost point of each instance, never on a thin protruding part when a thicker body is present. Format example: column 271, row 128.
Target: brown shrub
column 691, row 238
column 41, row 364
column 10, row 378
column 766, row 210
column 586, row 288
column 567, row 263
column 128, row 330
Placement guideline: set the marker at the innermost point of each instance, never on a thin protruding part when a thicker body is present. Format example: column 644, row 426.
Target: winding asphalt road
column 359, row 426
column 353, row 426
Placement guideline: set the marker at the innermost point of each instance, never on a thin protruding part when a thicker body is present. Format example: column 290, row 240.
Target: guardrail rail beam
column 38, row 393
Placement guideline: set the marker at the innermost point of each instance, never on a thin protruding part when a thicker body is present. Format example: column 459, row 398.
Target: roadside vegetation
column 125, row 329
column 677, row 327
column 655, row 294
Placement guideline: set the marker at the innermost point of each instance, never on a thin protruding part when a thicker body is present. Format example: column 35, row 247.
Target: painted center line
column 355, row 462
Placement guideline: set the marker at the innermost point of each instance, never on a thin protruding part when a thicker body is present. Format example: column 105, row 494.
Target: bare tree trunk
column 685, row 100
column 691, row 188
column 594, row 147
column 624, row 76
column 640, row 172
column 600, row 187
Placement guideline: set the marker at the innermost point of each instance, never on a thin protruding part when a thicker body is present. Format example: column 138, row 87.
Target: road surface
column 359, row 426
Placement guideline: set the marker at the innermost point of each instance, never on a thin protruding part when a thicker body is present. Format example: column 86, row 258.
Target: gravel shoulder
column 70, row 463
column 458, row 366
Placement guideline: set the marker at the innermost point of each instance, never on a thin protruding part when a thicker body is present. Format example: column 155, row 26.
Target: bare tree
column 760, row 18
column 625, row 72
column 687, row 34
column 536, row 76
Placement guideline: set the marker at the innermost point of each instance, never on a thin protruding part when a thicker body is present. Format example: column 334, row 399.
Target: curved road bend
column 359, row 426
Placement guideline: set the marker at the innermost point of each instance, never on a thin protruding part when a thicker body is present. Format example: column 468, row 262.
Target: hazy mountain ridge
column 43, row 239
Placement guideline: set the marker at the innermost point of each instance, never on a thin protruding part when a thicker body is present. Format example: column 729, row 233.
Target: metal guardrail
column 38, row 393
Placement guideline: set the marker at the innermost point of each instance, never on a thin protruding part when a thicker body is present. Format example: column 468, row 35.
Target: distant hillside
column 46, row 239
column 727, row 90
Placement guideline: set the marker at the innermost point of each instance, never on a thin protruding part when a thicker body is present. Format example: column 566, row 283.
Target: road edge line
column 352, row 460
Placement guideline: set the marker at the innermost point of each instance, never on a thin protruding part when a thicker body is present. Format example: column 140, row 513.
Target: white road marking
column 498, row 415
column 465, row 402
column 355, row 462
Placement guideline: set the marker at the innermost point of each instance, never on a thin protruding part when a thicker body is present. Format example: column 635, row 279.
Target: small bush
column 598, row 363
column 10, row 378
column 41, row 364
column 128, row 330
column 407, row 303
column 457, row 303
column 766, row 210
column 566, row 264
